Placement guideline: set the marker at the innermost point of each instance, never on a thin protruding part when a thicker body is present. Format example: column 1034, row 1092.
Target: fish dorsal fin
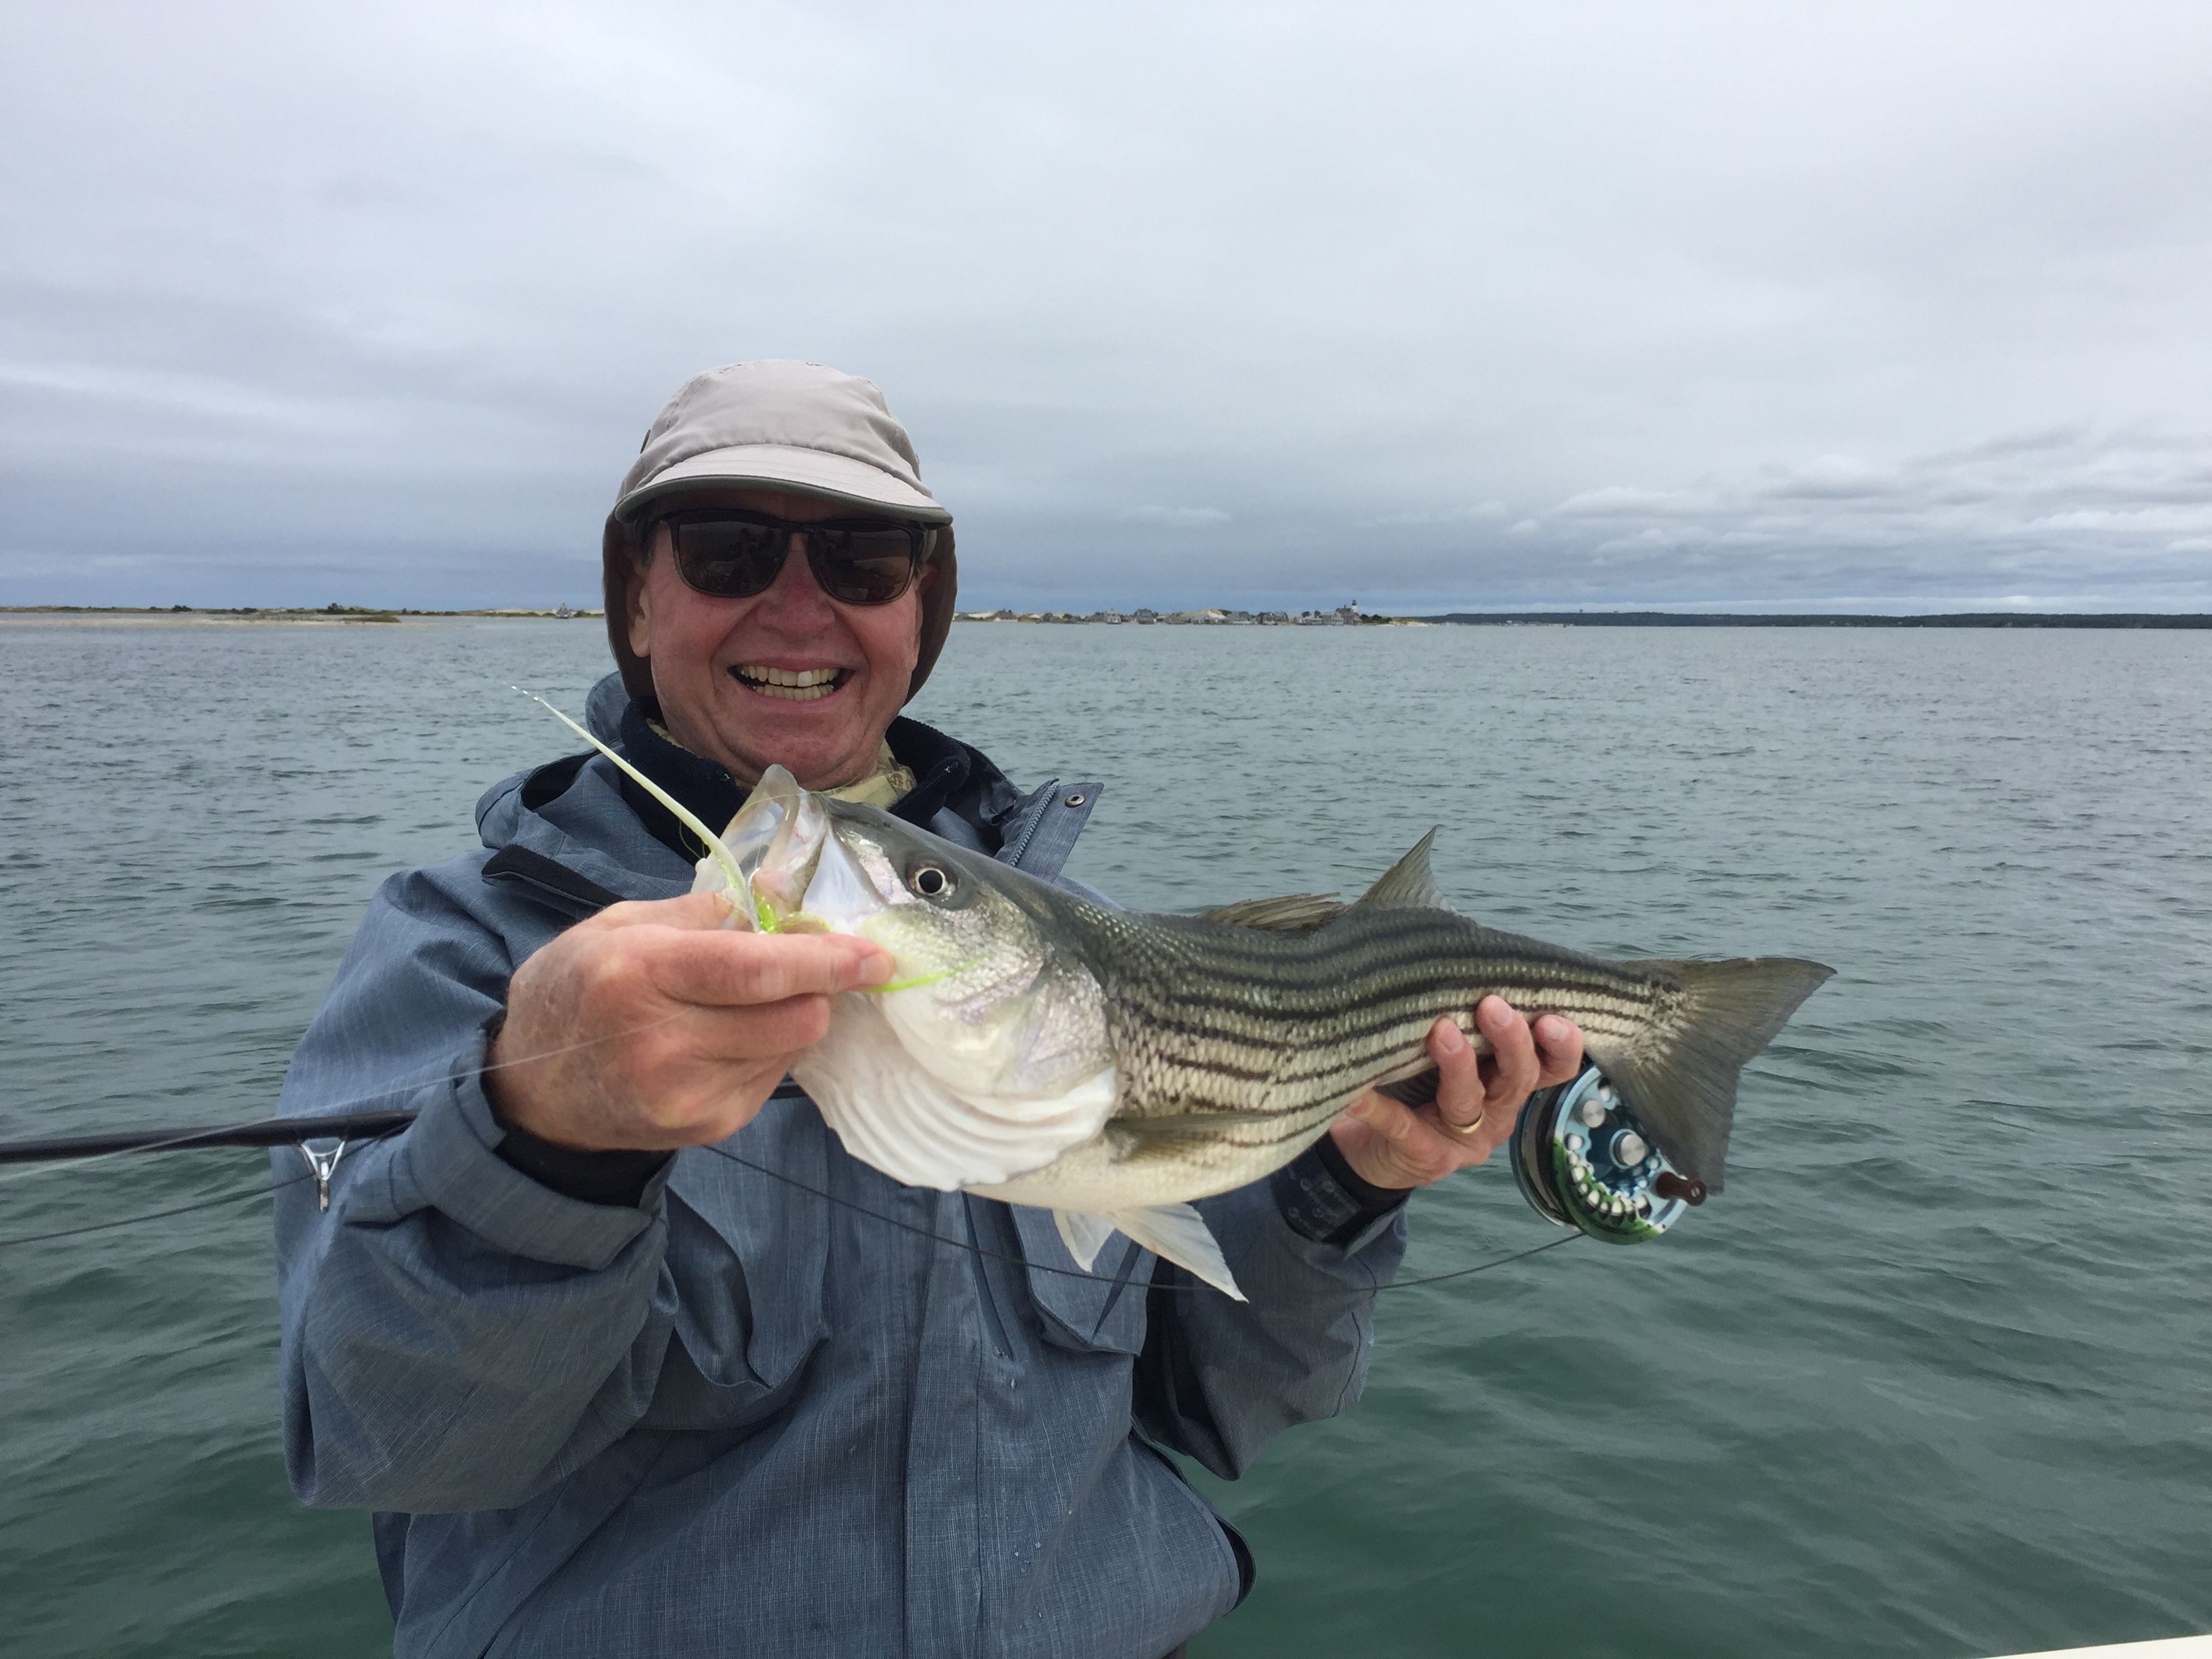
column 1407, row 885
column 1293, row 913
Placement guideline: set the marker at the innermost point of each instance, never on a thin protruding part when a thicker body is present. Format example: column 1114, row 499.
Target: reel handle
column 1667, row 1184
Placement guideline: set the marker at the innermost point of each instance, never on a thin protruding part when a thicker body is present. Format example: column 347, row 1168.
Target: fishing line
column 188, row 1137
column 790, row 1181
column 157, row 1215
column 1077, row 1273
column 1481, row 1267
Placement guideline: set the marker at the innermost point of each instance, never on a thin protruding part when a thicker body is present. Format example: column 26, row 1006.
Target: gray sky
column 1759, row 307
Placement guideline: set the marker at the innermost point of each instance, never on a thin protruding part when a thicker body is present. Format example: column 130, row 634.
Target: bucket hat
column 800, row 428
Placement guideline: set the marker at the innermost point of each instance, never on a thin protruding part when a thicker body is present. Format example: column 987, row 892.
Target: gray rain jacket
column 760, row 1413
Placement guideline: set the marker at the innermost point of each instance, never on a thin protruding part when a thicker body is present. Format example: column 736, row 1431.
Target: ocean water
column 1930, row 1379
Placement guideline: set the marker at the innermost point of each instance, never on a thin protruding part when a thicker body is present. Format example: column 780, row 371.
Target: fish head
column 985, row 995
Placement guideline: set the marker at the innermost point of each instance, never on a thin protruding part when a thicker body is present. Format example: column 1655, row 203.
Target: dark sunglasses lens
column 728, row 558
column 867, row 566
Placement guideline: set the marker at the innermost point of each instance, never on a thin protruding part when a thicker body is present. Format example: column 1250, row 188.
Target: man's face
column 711, row 659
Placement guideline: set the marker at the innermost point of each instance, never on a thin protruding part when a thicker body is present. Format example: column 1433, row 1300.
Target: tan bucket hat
column 801, row 427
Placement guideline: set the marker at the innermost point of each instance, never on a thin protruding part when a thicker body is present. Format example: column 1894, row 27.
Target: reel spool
column 1583, row 1160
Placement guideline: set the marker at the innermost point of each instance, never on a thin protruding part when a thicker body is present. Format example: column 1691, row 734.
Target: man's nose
column 794, row 601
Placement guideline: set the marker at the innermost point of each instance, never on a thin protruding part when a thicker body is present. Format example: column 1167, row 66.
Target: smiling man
column 627, row 1353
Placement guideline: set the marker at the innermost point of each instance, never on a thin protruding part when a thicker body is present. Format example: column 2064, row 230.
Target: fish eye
column 931, row 881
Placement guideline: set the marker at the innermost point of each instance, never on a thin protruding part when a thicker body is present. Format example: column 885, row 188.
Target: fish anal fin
column 1176, row 1233
column 1084, row 1235
column 1293, row 913
column 1407, row 885
column 1682, row 1084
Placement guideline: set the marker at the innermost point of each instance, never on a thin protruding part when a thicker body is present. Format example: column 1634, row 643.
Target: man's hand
column 1478, row 1099
column 648, row 1027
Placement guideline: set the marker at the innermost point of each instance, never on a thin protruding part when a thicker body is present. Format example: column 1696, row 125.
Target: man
column 628, row 1355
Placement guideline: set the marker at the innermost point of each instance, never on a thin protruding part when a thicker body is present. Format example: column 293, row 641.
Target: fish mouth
column 791, row 684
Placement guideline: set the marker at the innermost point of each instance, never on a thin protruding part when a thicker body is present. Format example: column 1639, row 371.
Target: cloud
column 1694, row 304
column 2067, row 508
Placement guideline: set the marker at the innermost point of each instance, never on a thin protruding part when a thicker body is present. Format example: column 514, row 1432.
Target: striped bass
column 1112, row 1066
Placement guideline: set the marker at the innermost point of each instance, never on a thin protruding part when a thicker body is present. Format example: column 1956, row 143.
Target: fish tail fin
column 1682, row 1084
column 1174, row 1232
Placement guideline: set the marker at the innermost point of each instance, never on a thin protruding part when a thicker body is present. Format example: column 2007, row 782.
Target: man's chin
column 819, row 760
column 824, row 741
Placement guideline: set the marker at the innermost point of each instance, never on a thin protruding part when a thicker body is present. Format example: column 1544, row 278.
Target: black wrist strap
column 1324, row 1198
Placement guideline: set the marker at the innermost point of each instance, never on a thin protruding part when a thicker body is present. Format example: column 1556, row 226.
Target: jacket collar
column 948, row 774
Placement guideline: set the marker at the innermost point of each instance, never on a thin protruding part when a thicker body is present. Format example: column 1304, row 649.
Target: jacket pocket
column 743, row 1275
column 1100, row 1311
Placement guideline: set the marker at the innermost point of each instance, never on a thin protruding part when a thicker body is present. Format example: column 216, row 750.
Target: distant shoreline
column 324, row 616
column 354, row 615
column 1735, row 619
column 1349, row 616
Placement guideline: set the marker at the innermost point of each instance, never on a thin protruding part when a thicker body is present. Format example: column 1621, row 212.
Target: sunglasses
column 728, row 553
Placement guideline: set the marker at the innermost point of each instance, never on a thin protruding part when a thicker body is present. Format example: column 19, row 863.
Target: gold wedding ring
column 1468, row 1129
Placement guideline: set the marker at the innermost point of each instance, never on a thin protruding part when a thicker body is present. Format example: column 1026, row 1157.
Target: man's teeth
column 793, row 684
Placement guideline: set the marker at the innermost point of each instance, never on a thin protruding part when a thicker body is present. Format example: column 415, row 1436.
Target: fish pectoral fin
column 1084, row 1235
column 1176, row 1233
column 1293, row 913
column 1407, row 885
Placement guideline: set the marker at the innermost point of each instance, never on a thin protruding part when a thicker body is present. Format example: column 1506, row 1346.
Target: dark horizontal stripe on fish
column 1273, row 957
column 1354, row 1023
column 1395, row 979
column 1337, row 1061
column 1276, row 966
column 1344, row 995
column 1255, row 1100
column 1153, row 1140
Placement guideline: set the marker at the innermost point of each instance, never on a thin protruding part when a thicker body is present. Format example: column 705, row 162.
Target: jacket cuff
column 1325, row 1200
column 450, row 1151
column 603, row 1177
column 612, row 1177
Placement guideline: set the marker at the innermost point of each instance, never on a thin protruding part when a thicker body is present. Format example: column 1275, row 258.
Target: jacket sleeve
column 456, row 1336
column 1218, row 1379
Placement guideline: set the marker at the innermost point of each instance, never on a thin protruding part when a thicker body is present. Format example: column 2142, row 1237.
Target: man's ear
column 640, row 607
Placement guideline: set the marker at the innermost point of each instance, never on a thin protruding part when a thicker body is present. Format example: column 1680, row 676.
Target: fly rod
column 263, row 1132
column 267, row 1132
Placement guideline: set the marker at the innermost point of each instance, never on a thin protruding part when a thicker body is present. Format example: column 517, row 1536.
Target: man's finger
column 721, row 970
column 1459, row 1080
column 1559, row 1046
column 1514, row 1051
column 692, row 912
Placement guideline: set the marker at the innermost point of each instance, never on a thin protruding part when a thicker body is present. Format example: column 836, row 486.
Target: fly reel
column 1583, row 1160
